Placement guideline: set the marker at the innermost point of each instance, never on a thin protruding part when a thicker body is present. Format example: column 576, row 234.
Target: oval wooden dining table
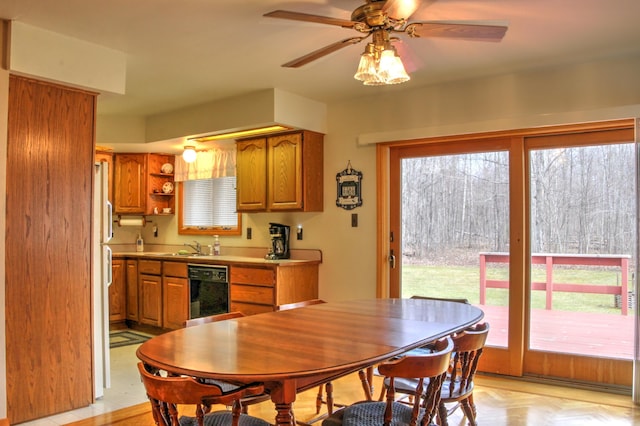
column 295, row 350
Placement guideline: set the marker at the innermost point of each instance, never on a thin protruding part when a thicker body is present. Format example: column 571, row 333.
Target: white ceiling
column 186, row 52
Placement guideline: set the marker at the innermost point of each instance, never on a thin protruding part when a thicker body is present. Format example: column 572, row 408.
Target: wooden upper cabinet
column 281, row 173
column 284, row 187
column 130, row 184
column 251, row 175
column 140, row 184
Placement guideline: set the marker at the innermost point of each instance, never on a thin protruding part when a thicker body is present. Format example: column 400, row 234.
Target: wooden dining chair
column 301, row 304
column 429, row 370
column 458, row 386
column 166, row 392
column 212, row 318
column 446, row 299
column 249, row 400
column 418, row 351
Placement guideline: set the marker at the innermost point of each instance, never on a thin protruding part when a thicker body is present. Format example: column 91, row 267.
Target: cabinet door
column 251, row 175
column 117, row 292
column 150, row 302
column 175, row 302
column 284, row 186
column 130, row 183
column 132, row 290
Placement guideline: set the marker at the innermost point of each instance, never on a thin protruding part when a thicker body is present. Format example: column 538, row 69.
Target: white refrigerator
column 102, row 232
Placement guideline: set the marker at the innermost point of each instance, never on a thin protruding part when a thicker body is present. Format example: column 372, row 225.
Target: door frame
column 510, row 360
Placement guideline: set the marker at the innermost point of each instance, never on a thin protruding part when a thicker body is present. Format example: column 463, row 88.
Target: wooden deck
column 569, row 332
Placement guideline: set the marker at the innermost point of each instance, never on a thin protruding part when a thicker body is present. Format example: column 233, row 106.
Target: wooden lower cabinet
column 257, row 289
column 175, row 295
column 117, row 292
column 157, row 291
column 132, row 290
column 150, row 292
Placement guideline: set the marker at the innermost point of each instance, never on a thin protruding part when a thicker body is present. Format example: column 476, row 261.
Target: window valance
column 213, row 163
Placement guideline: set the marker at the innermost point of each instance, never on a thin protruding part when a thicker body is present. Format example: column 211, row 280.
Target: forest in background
column 583, row 201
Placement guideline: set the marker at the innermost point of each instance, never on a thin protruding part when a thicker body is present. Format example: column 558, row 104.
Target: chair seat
column 408, row 386
column 451, row 395
column 225, row 386
column 370, row 413
column 223, row 418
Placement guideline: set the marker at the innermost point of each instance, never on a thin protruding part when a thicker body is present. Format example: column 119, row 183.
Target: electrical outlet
column 354, row 220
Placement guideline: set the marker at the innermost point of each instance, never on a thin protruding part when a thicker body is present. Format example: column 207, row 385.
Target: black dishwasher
column 208, row 290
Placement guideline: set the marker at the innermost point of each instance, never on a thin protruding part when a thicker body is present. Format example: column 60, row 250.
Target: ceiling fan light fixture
column 380, row 63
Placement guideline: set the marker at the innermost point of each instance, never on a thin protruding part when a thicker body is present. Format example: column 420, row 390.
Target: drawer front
column 153, row 267
column 175, row 269
column 250, row 308
column 258, row 276
column 252, row 294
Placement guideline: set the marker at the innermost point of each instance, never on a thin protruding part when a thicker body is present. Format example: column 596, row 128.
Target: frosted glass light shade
column 391, row 68
column 189, row 154
column 367, row 68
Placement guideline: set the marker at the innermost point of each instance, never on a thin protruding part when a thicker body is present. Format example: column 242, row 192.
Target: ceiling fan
column 381, row 19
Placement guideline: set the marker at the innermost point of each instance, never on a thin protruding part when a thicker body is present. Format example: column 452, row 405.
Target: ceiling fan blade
column 401, row 9
column 306, row 17
column 456, row 30
column 317, row 54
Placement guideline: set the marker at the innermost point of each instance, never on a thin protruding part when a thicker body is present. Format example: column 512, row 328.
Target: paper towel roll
column 131, row 221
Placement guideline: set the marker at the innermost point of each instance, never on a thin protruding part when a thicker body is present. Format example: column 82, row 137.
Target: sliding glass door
column 582, row 204
column 455, row 214
column 537, row 228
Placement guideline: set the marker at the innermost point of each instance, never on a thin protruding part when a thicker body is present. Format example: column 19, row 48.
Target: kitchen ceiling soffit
column 253, row 110
column 55, row 57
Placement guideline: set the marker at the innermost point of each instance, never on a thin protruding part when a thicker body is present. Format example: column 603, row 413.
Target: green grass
column 464, row 282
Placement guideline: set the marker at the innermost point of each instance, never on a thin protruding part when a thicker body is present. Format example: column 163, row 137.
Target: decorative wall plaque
column 349, row 188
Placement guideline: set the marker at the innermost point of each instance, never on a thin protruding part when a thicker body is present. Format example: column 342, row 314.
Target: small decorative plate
column 167, row 188
column 167, row 168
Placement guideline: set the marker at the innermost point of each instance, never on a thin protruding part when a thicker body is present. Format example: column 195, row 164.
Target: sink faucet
column 197, row 247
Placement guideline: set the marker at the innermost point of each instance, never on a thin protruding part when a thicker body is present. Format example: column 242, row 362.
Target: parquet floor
column 500, row 402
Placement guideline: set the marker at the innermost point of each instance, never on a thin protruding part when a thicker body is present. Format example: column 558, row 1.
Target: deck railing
column 550, row 259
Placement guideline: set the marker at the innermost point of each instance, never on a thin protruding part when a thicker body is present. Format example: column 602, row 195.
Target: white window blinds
column 209, row 203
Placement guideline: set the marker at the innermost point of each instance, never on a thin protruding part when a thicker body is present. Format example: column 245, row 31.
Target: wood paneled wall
column 48, row 248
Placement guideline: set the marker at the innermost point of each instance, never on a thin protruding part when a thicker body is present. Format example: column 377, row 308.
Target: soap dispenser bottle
column 216, row 246
column 139, row 243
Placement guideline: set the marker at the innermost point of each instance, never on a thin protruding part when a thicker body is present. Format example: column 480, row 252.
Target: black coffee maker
column 279, row 235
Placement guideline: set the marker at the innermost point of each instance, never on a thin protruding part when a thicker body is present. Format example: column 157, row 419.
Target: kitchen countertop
column 207, row 259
